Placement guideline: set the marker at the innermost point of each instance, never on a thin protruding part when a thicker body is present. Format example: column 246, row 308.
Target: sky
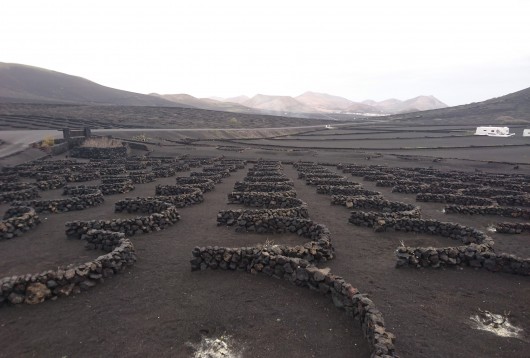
column 459, row 51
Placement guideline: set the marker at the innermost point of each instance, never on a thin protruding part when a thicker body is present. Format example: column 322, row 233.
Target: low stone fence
column 179, row 195
column 81, row 177
column 475, row 256
column 518, row 187
column 161, row 215
column 164, row 171
column 80, row 202
column 285, row 187
column 80, row 190
column 318, row 249
column 455, row 199
column 377, row 203
column 266, row 173
column 98, row 153
column 135, row 165
column 115, row 179
column 142, row 177
column 17, row 221
column 47, row 175
column 388, row 221
column 202, row 183
column 9, row 186
column 376, row 177
column 345, row 190
column 116, row 170
column 64, row 281
column 237, row 163
column 265, row 200
column 490, row 192
column 302, row 273
column 117, row 188
column 23, row 194
column 51, row 184
column 518, row 200
column 268, row 179
column 512, row 228
column 333, row 182
column 223, row 172
column 488, row 210
column 216, row 178
column 262, row 220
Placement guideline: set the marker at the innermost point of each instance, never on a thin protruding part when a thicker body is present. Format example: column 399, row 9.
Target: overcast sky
column 459, row 51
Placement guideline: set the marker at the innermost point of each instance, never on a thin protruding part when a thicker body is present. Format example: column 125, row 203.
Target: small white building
column 526, row 133
column 494, row 131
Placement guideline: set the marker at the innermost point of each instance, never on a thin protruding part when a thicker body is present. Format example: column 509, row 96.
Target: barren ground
column 158, row 307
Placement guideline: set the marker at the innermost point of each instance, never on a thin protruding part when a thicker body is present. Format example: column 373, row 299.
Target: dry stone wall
column 296, row 264
column 18, row 220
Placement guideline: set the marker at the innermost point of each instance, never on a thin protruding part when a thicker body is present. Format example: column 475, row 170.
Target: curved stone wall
column 64, row 281
column 18, row 220
column 161, row 215
column 23, row 194
column 202, row 183
column 295, row 264
column 79, row 202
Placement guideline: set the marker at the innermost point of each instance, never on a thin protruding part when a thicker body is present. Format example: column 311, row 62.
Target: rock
column 85, row 285
column 15, row 298
column 36, row 293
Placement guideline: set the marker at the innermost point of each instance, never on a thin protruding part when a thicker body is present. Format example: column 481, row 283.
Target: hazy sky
column 459, row 51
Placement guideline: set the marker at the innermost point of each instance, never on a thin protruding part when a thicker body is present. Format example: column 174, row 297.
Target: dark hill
column 28, row 84
column 513, row 108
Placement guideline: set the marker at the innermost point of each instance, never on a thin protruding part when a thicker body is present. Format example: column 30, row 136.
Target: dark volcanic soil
column 158, row 307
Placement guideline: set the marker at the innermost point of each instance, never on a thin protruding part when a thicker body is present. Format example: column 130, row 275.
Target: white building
column 494, row 131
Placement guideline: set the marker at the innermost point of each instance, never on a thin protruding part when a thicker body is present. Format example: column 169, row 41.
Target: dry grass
column 101, row 142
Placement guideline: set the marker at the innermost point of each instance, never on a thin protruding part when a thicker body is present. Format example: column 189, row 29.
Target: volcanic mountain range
column 28, row 84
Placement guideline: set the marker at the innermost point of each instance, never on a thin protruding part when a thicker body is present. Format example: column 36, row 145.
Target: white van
column 494, row 131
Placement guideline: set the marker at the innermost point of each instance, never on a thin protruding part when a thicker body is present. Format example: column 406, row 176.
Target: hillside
column 324, row 101
column 27, row 84
column 420, row 103
column 513, row 108
column 277, row 104
column 204, row 103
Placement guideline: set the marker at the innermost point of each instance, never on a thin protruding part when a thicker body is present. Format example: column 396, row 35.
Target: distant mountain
column 238, row 99
column 324, row 102
column 27, row 84
column 277, row 104
column 363, row 108
column 420, row 103
column 204, row 103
